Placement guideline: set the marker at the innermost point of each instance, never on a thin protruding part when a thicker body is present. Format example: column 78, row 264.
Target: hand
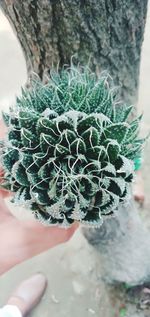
column 22, row 240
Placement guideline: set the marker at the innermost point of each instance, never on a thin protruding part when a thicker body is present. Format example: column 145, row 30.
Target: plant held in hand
column 70, row 149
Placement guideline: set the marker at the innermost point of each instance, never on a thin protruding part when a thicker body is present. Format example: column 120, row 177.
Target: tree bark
column 108, row 35
column 123, row 243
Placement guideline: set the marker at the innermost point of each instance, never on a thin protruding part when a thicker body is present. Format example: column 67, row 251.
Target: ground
column 73, row 270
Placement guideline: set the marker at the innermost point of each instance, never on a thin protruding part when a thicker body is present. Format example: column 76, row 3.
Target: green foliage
column 70, row 148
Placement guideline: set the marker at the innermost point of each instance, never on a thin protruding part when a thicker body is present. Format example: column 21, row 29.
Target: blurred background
column 12, row 64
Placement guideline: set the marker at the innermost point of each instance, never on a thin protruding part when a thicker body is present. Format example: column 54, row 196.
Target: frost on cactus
column 70, row 148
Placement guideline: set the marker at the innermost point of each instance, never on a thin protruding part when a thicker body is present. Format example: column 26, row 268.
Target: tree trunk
column 124, row 246
column 108, row 35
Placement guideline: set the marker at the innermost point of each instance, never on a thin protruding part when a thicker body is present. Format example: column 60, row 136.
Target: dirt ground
column 75, row 286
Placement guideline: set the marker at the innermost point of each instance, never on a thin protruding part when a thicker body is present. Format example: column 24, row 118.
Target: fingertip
column 4, row 193
column 70, row 231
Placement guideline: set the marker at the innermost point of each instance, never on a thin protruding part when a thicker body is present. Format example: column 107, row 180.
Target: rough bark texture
column 124, row 247
column 108, row 32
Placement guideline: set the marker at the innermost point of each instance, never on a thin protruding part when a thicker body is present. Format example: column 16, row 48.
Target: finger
column 70, row 232
column 4, row 193
column 4, row 211
column 56, row 235
column 41, row 238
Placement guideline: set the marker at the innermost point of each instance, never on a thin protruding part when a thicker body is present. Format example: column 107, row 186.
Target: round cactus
column 69, row 151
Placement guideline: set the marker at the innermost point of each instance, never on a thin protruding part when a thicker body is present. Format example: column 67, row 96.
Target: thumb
column 72, row 230
column 4, row 211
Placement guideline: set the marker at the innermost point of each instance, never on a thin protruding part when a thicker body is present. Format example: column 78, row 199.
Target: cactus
column 70, row 149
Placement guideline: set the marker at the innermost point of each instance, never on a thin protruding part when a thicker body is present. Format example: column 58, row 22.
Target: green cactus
column 69, row 152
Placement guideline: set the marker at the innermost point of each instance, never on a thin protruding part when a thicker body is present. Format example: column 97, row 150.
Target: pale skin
column 22, row 240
